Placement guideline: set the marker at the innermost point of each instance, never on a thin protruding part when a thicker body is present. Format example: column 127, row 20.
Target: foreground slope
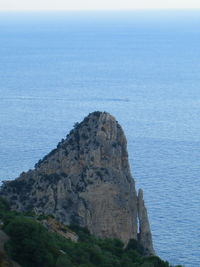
column 31, row 243
column 86, row 181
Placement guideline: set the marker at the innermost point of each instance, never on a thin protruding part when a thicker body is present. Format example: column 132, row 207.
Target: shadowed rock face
column 86, row 180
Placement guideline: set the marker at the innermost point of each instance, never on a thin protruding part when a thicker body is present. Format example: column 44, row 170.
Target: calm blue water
column 142, row 67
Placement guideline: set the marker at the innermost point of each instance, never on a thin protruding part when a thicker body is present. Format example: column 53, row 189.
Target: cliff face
column 144, row 235
column 86, row 180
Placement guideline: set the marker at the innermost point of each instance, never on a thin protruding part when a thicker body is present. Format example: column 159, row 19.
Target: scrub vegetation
column 32, row 245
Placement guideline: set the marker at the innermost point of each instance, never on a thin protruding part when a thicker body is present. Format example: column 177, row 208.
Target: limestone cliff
column 86, row 180
column 144, row 235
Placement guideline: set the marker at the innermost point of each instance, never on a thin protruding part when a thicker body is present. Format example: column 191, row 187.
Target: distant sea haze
column 143, row 68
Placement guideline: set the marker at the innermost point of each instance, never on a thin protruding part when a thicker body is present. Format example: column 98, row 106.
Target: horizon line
column 102, row 10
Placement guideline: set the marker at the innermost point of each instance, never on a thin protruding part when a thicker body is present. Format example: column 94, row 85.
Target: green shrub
column 135, row 245
column 30, row 243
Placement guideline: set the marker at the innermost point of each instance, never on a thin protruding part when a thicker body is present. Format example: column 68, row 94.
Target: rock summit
column 87, row 181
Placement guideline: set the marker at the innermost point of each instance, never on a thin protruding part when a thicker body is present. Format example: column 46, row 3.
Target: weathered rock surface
column 55, row 226
column 144, row 235
column 86, row 180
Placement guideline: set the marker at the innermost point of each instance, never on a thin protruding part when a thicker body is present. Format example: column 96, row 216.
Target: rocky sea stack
column 86, row 180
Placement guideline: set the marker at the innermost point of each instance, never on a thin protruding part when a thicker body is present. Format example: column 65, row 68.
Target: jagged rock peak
column 86, row 180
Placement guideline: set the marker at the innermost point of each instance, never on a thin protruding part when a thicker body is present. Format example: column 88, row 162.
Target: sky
column 96, row 4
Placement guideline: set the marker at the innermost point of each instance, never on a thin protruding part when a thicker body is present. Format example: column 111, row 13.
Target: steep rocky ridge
column 86, row 180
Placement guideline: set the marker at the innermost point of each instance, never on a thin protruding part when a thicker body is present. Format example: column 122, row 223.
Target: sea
column 143, row 67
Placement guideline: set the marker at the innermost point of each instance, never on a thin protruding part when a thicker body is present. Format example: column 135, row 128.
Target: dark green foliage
column 32, row 245
column 76, row 125
column 76, row 137
column 71, row 141
column 154, row 261
column 114, row 144
column 83, row 233
column 103, row 129
column 44, row 217
column 84, row 136
column 17, row 185
column 96, row 114
column 62, row 261
column 51, row 178
column 4, row 206
column 134, row 245
column 6, row 215
column 98, row 173
column 113, row 246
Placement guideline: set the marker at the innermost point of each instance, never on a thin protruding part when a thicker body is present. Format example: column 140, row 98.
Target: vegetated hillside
column 32, row 245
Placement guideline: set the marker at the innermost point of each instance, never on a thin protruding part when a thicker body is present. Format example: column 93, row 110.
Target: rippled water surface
column 143, row 67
